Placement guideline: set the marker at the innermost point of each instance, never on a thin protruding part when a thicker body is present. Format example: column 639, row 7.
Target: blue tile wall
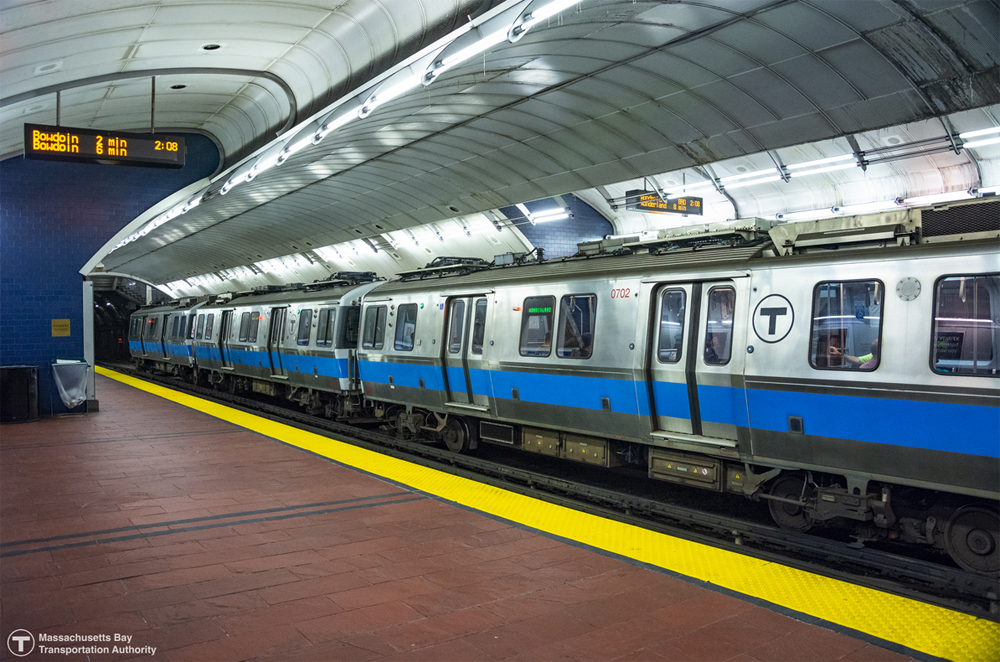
column 559, row 238
column 53, row 218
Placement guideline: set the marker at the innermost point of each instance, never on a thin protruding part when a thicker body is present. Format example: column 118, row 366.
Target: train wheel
column 456, row 435
column 971, row 539
column 789, row 515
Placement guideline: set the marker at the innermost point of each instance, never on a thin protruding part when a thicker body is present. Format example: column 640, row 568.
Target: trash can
column 18, row 393
column 70, row 376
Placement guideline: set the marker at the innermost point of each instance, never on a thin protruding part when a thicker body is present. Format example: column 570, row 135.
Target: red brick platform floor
column 210, row 542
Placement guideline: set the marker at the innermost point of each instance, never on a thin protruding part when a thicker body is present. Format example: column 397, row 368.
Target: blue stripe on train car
column 956, row 428
column 456, row 379
column 207, row 353
column 135, row 345
column 671, row 400
column 178, row 350
column 403, row 374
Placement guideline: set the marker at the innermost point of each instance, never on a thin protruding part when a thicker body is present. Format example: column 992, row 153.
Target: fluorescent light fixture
column 987, row 190
column 937, row 198
column 552, row 217
column 191, row 204
column 820, row 162
column 388, row 94
column 484, row 44
column 549, row 212
column 981, row 143
column 866, row 208
column 816, row 171
column 979, row 132
column 540, row 14
column 752, row 182
column 336, row 124
column 746, row 175
column 810, row 215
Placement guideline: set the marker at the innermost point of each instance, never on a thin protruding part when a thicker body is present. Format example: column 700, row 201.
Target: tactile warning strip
column 915, row 625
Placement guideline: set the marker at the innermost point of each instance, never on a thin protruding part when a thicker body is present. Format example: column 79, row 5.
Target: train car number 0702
column 620, row 293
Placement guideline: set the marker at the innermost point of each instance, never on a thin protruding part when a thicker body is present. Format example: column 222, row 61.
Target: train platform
column 166, row 527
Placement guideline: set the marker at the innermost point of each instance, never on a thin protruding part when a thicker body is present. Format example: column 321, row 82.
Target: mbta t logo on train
column 773, row 318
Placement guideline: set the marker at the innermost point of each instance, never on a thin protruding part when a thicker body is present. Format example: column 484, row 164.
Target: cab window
column 966, row 336
column 719, row 325
column 577, row 314
column 305, row 326
column 536, row 326
column 846, row 325
column 406, row 325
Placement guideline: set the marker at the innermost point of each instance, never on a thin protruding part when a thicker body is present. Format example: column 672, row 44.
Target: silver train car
column 161, row 337
column 857, row 386
column 296, row 342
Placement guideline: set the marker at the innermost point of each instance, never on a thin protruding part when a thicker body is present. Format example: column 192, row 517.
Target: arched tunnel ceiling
column 603, row 92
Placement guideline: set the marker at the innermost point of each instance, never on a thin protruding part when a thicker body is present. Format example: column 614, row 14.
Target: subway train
column 845, row 371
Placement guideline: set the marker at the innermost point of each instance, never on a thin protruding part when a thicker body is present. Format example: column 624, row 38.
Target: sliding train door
column 467, row 381
column 695, row 361
column 275, row 334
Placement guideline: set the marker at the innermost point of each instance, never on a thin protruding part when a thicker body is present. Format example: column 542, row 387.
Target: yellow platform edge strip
column 931, row 630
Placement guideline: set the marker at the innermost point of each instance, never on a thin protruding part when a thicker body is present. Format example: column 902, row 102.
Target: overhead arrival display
column 61, row 143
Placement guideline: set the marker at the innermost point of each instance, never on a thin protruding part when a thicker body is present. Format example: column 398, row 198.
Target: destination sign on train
column 651, row 203
column 63, row 143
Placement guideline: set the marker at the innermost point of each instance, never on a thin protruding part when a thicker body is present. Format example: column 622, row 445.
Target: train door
column 145, row 332
column 695, row 362
column 275, row 333
column 165, row 336
column 225, row 327
column 477, row 373
column 457, row 384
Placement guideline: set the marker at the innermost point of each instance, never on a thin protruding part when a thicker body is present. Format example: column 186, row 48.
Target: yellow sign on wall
column 60, row 328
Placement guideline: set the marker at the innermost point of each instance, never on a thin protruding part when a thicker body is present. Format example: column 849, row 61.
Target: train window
column 374, row 327
column 208, row 326
column 719, row 325
column 151, row 327
column 479, row 326
column 456, row 327
column 967, row 325
column 349, row 328
column 244, row 326
column 305, row 326
column 672, row 308
column 406, row 324
column 134, row 327
column 846, row 325
column 324, row 330
column 173, row 329
column 577, row 313
column 536, row 326
column 254, row 326
column 200, row 327
column 190, row 330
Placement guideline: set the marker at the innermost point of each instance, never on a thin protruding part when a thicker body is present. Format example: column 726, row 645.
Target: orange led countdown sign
column 651, row 203
column 62, row 143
